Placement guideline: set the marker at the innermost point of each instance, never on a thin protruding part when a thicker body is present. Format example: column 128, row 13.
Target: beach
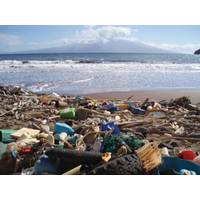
column 108, row 136
column 156, row 95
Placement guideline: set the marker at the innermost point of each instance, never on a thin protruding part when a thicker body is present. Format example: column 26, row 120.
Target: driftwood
column 137, row 123
column 186, row 138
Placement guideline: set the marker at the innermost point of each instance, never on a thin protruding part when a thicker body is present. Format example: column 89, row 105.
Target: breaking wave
column 87, row 66
column 93, row 73
column 41, row 86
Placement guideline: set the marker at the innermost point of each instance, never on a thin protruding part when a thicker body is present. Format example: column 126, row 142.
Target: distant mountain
column 115, row 46
column 197, row 52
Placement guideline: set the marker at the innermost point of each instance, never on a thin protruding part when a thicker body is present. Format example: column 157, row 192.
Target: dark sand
column 194, row 94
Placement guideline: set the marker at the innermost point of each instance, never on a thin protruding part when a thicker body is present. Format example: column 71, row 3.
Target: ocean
column 84, row 73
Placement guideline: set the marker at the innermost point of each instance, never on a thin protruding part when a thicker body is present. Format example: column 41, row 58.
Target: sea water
column 81, row 73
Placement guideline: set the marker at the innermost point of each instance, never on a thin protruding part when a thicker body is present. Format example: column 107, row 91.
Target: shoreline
column 140, row 95
column 137, row 95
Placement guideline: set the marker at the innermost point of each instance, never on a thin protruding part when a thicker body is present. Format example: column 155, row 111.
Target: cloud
column 7, row 39
column 98, row 35
column 179, row 48
column 102, row 34
column 105, row 34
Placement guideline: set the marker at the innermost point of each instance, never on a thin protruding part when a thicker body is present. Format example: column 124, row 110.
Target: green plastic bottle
column 68, row 113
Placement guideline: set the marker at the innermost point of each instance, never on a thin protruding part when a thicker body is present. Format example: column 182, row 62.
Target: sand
column 157, row 95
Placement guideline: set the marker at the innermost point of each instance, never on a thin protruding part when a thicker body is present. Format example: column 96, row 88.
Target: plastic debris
column 5, row 135
column 180, row 130
column 74, row 171
column 2, row 149
column 186, row 172
column 44, row 166
column 53, row 134
column 25, row 133
column 150, row 155
column 164, row 151
column 62, row 127
column 187, row 155
column 111, row 126
column 138, row 111
column 110, row 107
column 68, row 113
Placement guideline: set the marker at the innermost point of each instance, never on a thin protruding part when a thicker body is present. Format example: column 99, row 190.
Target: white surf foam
column 12, row 65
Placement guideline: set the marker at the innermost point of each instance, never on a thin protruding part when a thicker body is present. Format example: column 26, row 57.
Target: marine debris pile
column 57, row 134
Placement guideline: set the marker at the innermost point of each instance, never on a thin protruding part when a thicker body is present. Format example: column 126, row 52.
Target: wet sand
column 194, row 94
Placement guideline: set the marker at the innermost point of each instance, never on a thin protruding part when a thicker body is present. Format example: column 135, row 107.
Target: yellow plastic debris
column 106, row 156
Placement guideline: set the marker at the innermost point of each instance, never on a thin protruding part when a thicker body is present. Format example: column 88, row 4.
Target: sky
column 183, row 39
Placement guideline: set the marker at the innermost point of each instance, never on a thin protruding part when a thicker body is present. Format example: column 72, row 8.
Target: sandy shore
column 194, row 94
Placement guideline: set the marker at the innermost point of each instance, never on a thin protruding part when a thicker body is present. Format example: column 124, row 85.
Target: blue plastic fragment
column 110, row 107
column 138, row 111
column 79, row 98
column 62, row 127
column 14, row 154
column 176, row 164
column 186, row 172
column 109, row 126
column 44, row 166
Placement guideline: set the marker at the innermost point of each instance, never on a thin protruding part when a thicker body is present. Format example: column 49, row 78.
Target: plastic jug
column 62, row 127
